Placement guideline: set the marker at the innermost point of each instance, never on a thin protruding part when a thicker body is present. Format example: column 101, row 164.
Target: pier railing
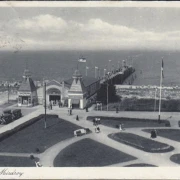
column 117, row 76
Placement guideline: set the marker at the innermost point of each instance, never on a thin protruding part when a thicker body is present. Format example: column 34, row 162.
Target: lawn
column 140, row 165
column 35, row 136
column 11, row 161
column 175, row 158
column 129, row 122
column 173, row 134
column 141, row 143
column 89, row 153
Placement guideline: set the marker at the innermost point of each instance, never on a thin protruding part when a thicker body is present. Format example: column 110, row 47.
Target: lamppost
column 96, row 68
column 155, row 100
column 109, row 69
column 107, row 95
column 104, row 72
column 87, row 70
column 45, row 105
column 99, row 70
column 8, row 93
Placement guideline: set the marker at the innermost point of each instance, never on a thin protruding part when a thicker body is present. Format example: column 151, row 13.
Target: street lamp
column 87, row 70
column 45, row 106
column 96, row 68
column 8, row 93
column 109, row 65
column 107, row 96
column 99, row 70
column 104, row 72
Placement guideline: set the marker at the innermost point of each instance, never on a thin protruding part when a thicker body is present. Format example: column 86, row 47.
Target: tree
column 102, row 94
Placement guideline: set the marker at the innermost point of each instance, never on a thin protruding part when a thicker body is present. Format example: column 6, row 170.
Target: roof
column 53, row 82
column 77, row 86
column 27, row 85
column 86, row 81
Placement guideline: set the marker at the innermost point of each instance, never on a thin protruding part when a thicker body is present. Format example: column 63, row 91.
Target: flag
column 162, row 68
column 82, row 60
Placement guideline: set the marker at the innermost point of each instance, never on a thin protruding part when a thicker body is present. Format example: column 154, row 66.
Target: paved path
column 47, row 158
column 157, row 159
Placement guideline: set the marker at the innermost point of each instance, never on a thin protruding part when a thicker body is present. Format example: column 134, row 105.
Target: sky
column 89, row 28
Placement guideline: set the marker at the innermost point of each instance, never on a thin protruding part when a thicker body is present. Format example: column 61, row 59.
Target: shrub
column 31, row 157
column 167, row 124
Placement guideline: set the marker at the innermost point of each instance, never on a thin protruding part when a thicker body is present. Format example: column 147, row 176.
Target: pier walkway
column 117, row 76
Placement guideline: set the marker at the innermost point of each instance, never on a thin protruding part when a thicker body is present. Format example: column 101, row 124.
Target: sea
column 60, row 65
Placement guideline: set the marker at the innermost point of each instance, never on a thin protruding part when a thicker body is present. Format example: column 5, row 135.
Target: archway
column 54, row 95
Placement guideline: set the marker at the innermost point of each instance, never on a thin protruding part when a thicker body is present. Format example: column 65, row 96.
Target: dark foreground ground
column 35, row 138
column 10, row 161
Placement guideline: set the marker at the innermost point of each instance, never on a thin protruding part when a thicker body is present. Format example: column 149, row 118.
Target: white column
column 69, row 103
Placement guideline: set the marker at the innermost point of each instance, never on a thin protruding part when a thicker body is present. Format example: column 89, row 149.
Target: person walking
column 77, row 118
column 51, row 105
column 117, row 109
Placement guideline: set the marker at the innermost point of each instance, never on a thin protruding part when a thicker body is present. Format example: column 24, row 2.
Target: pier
column 118, row 76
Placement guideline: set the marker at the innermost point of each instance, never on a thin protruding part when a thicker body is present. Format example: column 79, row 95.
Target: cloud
column 42, row 23
column 52, row 32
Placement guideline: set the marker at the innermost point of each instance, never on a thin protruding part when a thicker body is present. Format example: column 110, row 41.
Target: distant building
column 75, row 92
column 27, row 93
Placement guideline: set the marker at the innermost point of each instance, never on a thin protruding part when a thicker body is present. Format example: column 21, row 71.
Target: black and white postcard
column 89, row 90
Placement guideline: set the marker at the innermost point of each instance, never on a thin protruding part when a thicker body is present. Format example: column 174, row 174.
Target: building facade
column 27, row 93
column 55, row 92
column 76, row 92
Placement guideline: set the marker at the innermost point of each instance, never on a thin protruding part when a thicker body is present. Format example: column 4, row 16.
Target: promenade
column 157, row 159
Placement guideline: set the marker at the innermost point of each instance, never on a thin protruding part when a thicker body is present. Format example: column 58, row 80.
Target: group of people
column 53, row 103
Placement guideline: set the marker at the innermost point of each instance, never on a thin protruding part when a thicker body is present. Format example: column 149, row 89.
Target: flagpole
column 160, row 89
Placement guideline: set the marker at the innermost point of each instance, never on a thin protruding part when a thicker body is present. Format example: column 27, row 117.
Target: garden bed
column 129, row 122
column 139, row 142
column 173, row 134
column 32, row 137
column 140, row 165
column 175, row 158
column 89, row 153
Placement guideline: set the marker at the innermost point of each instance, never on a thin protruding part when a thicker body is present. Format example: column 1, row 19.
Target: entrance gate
column 54, row 95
